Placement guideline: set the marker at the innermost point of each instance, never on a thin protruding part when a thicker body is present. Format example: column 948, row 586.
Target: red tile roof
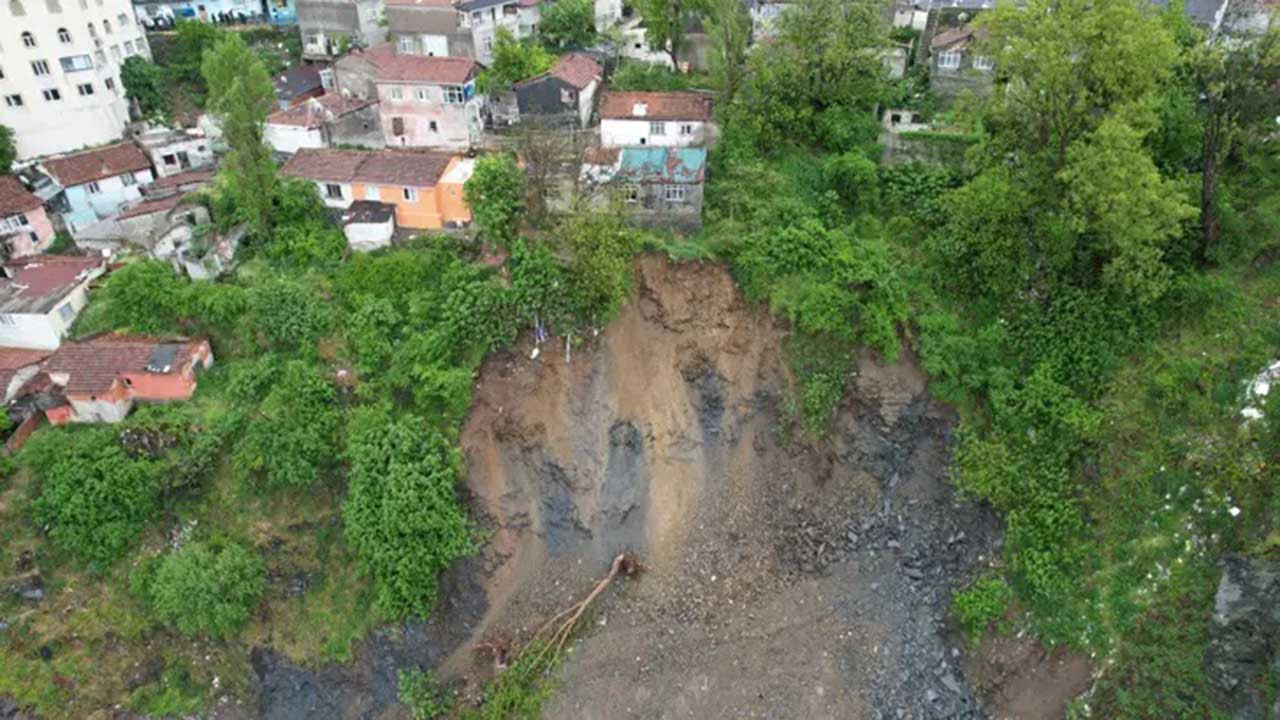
column 405, row 168
column 93, row 365
column 97, row 164
column 146, row 207
column 577, row 69
column 190, row 177
column 418, row 68
column 14, row 198
column 657, row 106
column 601, row 156
column 948, row 38
column 314, row 112
column 14, row 359
column 40, row 282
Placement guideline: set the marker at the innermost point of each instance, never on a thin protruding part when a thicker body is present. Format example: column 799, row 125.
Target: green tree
column 1065, row 63
column 8, row 149
column 291, row 439
column 513, row 61
column 665, row 22
column 601, row 249
column 568, row 24
column 496, row 194
column 201, row 589
column 402, row 513
column 93, row 499
column 729, row 27
column 144, row 84
column 288, row 314
column 241, row 96
column 144, row 297
column 1236, row 78
column 192, row 39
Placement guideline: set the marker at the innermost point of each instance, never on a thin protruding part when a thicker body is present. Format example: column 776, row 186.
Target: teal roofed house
column 659, row 186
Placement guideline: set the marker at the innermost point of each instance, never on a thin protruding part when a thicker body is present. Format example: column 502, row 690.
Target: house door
column 397, row 126
column 184, row 160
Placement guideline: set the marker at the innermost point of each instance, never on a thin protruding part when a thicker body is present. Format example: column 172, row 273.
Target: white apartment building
column 60, row 71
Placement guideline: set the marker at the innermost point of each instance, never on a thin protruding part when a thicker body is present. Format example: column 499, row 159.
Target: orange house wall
column 434, row 207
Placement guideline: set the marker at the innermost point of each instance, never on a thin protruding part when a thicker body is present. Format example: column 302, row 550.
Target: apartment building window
column 39, row 67
column 949, row 60
column 99, row 58
column 115, row 53
column 92, row 188
column 52, row 94
column 93, row 32
column 85, row 89
column 657, row 128
column 110, row 83
column 14, row 100
column 128, row 47
column 122, row 20
column 454, row 94
column 76, row 63
column 333, row 191
column 106, row 26
column 64, row 35
column 28, row 39
column 673, row 193
column 411, row 194
column 129, row 179
column 395, row 93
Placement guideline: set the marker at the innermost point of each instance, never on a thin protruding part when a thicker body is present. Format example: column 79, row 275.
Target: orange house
column 424, row 187
column 101, row 377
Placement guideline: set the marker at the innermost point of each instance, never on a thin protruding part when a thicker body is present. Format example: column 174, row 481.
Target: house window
column 39, row 67
column 76, row 63
column 14, row 100
column 631, row 193
column 406, row 45
column 397, row 126
column 411, row 194
column 64, row 35
column 85, row 89
column 686, row 128
column 92, row 188
column 66, row 312
column 28, row 39
column 454, row 94
column 333, row 191
column 657, row 128
column 433, row 126
column 7, row 319
column 170, row 159
column 371, row 192
column 52, row 95
column 673, row 193
column 949, row 60
column 982, row 62
column 129, row 179
column 566, row 96
column 422, row 94
column 394, row 93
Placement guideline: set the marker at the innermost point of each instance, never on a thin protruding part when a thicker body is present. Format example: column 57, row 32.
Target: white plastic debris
column 1233, row 511
column 1258, row 390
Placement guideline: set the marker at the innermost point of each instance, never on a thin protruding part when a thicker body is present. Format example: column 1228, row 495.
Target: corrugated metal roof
column 663, row 165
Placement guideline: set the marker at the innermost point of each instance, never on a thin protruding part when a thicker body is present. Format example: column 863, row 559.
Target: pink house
column 24, row 226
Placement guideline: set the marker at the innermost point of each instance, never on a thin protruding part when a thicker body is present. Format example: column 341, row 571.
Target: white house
column 41, row 295
column 98, row 182
column 60, row 79
column 664, row 119
column 175, row 151
column 328, row 120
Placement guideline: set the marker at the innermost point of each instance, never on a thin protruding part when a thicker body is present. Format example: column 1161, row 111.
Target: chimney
column 639, row 109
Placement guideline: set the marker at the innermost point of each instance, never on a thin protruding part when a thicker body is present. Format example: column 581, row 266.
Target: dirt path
column 780, row 581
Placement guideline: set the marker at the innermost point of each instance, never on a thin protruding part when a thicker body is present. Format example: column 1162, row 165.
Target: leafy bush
column 636, row 76
column 855, row 179
column 292, row 436
column 93, row 499
column 495, row 192
column 568, row 24
column 401, row 514
column 202, row 589
column 143, row 297
column 981, row 604
column 419, row 692
column 288, row 314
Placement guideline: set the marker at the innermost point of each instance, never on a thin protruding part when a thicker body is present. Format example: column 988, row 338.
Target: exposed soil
column 1020, row 678
column 781, row 579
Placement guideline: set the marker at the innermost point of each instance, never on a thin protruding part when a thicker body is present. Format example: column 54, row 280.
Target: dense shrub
column 288, row 314
column 203, row 589
column 420, row 692
column 981, row 604
column 292, row 437
column 93, row 499
column 401, row 514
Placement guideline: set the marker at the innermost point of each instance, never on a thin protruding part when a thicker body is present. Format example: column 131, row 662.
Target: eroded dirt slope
column 781, row 580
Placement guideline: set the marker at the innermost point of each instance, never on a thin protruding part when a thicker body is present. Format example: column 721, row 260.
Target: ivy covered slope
column 308, row 490
column 1092, row 285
